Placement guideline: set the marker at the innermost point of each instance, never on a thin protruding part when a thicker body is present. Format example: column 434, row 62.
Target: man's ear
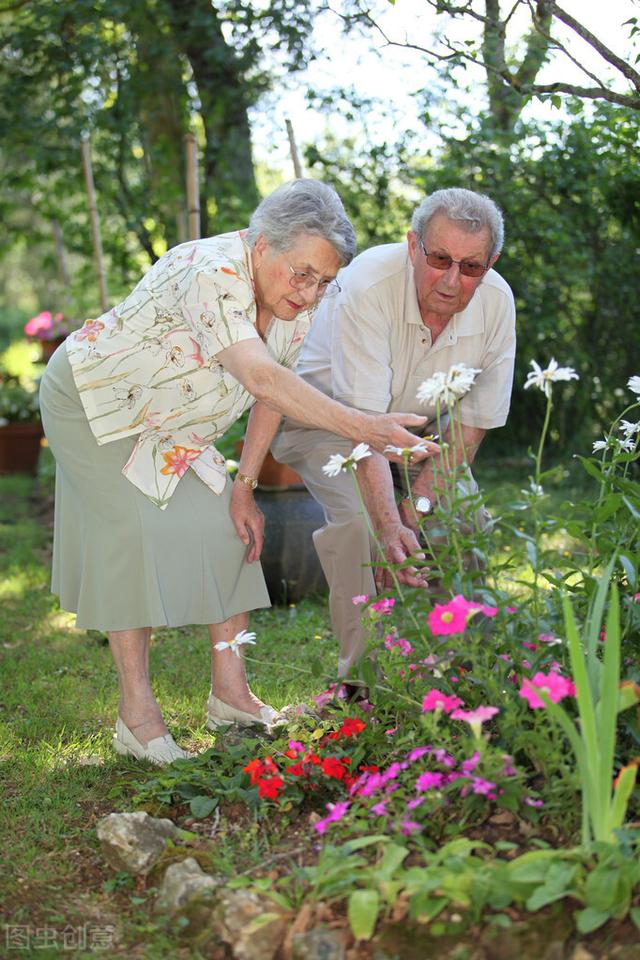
column 412, row 243
column 493, row 260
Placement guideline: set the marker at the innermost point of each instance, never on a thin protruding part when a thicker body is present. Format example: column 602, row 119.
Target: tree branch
column 625, row 69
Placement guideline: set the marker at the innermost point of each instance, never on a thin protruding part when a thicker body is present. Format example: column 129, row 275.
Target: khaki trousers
column 343, row 543
column 344, row 546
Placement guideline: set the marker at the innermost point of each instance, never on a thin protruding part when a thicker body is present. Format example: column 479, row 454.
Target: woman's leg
column 228, row 677
column 138, row 708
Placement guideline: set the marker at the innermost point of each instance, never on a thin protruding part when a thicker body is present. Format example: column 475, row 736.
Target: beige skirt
column 119, row 562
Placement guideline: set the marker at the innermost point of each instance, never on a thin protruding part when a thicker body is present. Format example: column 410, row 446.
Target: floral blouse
column 149, row 366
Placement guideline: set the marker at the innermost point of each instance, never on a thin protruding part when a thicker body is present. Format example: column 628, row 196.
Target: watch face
column 423, row 504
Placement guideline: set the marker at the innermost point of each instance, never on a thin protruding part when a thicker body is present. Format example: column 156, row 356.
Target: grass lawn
column 58, row 774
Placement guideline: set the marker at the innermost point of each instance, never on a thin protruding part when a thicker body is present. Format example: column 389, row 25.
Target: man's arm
column 429, row 483
column 397, row 540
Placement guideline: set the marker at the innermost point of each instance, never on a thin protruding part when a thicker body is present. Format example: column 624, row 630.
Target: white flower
column 234, row 645
column 446, row 388
column 334, row 465
column 628, row 444
column 600, row 445
column 360, row 452
column 544, row 378
column 629, row 429
column 407, row 451
column 534, row 491
column 634, row 384
column 337, row 463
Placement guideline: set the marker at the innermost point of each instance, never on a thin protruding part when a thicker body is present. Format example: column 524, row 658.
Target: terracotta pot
column 20, row 447
column 49, row 347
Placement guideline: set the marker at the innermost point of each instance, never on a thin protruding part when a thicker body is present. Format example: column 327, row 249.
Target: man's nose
column 452, row 275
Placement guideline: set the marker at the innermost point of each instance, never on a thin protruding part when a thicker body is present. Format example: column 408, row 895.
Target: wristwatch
column 421, row 505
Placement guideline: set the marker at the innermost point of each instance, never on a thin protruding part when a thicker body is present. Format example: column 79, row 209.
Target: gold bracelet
column 250, row 481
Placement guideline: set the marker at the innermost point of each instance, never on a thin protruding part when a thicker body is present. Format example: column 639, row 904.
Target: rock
column 319, row 944
column 581, row 953
column 252, row 925
column 133, row 841
column 183, row 882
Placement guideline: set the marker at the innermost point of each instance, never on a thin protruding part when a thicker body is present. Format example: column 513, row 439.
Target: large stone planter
column 289, row 560
column 20, row 447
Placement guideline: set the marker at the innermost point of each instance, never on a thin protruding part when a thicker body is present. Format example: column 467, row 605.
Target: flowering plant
column 18, row 404
column 48, row 326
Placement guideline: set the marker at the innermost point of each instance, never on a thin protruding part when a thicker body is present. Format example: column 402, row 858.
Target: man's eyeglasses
column 301, row 280
column 442, row 261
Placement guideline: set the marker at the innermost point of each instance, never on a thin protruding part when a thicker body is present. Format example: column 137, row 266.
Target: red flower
column 311, row 758
column 255, row 768
column 296, row 770
column 333, row 768
column 370, row 768
column 352, row 727
column 290, row 754
column 269, row 787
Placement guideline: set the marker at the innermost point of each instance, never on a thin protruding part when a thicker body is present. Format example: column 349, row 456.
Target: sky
column 391, row 75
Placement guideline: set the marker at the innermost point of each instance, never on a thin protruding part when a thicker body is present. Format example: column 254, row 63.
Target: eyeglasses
column 301, row 280
column 442, row 261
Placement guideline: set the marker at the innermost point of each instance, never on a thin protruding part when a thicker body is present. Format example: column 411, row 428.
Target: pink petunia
column 447, row 618
column 380, row 808
column 436, row 700
column 416, row 802
column 360, row 598
column 384, row 606
column 399, row 643
column 417, row 753
column 483, row 787
column 468, row 766
column 554, row 684
column 332, row 692
column 477, row 716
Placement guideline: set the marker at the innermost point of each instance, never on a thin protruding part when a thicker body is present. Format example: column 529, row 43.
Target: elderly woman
column 148, row 532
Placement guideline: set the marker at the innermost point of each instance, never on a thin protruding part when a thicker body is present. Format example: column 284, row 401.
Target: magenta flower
column 554, row 684
column 383, row 606
column 429, row 781
column 468, row 766
column 416, row 802
column 416, row 753
column 436, row 700
column 336, row 812
column 447, row 618
column 380, row 808
column 530, row 802
column 408, row 827
column 296, row 746
column 483, row 787
column 399, row 643
column 333, row 691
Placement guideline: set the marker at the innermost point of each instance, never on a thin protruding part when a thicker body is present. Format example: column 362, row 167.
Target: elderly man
column 405, row 312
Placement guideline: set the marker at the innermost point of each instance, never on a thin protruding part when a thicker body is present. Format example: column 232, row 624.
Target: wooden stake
column 95, row 222
column 193, row 193
column 297, row 166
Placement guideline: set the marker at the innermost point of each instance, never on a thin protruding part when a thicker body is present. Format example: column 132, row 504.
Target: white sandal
column 160, row 750
column 221, row 714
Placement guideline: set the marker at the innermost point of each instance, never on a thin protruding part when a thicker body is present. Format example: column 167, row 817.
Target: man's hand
column 248, row 520
column 399, row 542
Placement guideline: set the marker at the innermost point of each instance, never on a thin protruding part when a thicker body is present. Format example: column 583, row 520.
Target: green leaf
column 202, row 806
column 363, row 913
column 391, row 860
column 634, row 913
column 590, row 919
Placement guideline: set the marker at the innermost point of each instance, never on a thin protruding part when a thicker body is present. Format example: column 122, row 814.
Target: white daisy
column 542, row 379
column 629, row 429
column 337, row 463
column 446, row 388
column 406, row 451
column 600, row 445
column 634, row 384
column 245, row 636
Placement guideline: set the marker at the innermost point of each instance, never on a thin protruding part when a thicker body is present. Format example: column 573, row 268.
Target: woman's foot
column 220, row 713
column 160, row 750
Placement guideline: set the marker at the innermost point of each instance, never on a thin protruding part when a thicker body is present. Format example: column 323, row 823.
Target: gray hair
column 303, row 206
column 472, row 211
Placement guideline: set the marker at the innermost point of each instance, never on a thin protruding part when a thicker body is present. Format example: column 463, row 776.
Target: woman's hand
column 248, row 520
